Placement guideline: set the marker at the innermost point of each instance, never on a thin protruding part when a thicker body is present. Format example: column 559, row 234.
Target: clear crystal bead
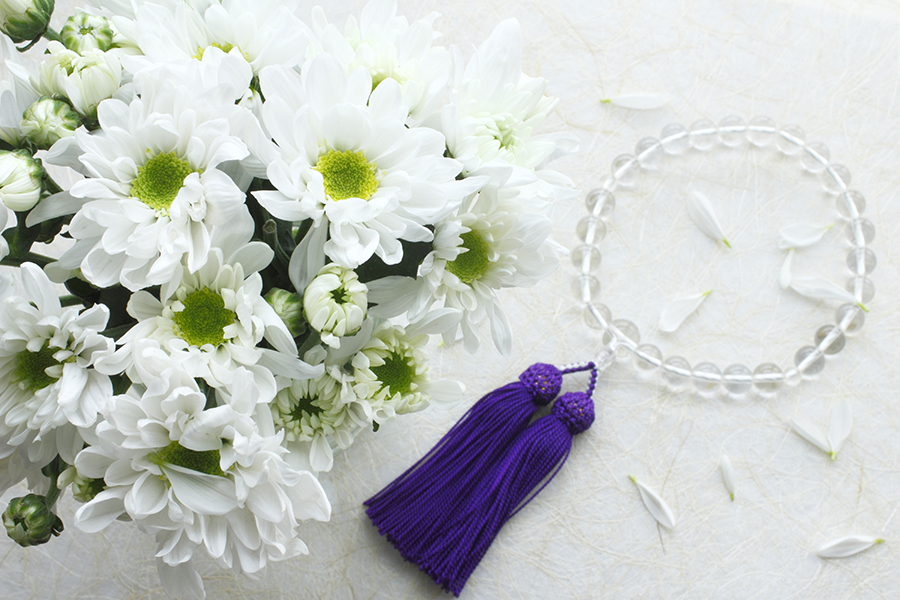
column 586, row 288
column 703, row 134
column 860, row 232
column 647, row 358
column 649, row 153
column 862, row 288
column 814, row 157
column 602, row 197
column 861, row 261
column 789, row 140
column 767, row 378
column 624, row 169
column 628, row 337
column 732, row 131
column 584, row 226
column 850, row 318
column 849, row 202
column 674, row 139
column 738, row 379
column 835, row 346
column 761, row 131
column 706, row 377
column 835, row 179
column 676, row 372
column 586, row 258
column 592, row 319
column 815, row 366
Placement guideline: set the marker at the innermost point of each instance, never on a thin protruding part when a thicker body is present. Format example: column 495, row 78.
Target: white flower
column 702, row 213
column 84, row 32
column 20, row 180
column 85, row 79
column 490, row 245
column 390, row 48
column 676, row 311
column 47, row 120
column 348, row 161
column 153, row 192
column 335, row 303
column 656, row 506
column 24, row 20
column 212, row 323
column 16, row 90
column 202, row 480
column 47, row 352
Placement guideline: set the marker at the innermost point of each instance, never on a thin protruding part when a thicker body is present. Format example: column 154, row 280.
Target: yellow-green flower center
column 206, row 461
column 159, row 180
column 347, row 175
column 224, row 47
column 303, row 405
column 204, row 318
column 31, row 368
column 473, row 264
column 396, row 374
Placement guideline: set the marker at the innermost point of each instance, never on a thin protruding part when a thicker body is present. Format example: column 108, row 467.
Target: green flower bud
column 288, row 306
column 30, row 520
column 20, row 180
column 87, row 32
column 47, row 120
column 24, row 20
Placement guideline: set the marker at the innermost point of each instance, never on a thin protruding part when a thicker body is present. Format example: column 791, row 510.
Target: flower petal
column 674, row 314
column 639, row 101
column 701, row 211
column 801, row 235
column 810, row 433
column 820, row 288
column 839, row 426
column 655, row 504
column 847, row 546
column 727, row 475
column 784, row 276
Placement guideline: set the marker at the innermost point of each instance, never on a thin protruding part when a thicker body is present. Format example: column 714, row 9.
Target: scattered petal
column 823, row 289
column 784, row 277
column 703, row 215
column 847, row 546
column 655, row 505
column 674, row 314
column 811, row 434
column 839, row 427
column 639, row 101
column 801, row 235
column 727, row 475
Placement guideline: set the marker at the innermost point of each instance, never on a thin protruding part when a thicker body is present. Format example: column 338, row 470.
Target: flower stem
column 32, row 257
column 70, row 300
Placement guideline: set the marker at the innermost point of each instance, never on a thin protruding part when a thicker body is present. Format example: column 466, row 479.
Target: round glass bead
column 624, row 169
column 850, row 318
column 628, row 336
column 814, row 157
column 591, row 319
column 862, row 288
column 586, row 258
column 767, row 378
column 603, row 198
column 815, row 366
column 647, row 358
column 586, row 288
column 609, row 183
column 732, row 131
column 703, row 134
column 674, row 139
column 792, row 377
column 835, row 346
column 706, row 377
column 835, row 179
column 676, row 372
column 761, row 131
column 584, row 226
column 861, row 261
column 860, row 232
column 851, row 198
column 788, row 139
column 649, row 153
column 738, row 379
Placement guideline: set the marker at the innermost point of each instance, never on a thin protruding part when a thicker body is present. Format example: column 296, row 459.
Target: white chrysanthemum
column 213, row 323
column 84, row 32
column 20, row 180
column 390, row 48
column 85, row 79
column 47, row 120
column 348, row 160
column 49, row 388
column 490, row 245
column 153, row 192
column 202, row 480
column 392, row 365
column 16, row 91
column 262, row 32
column 495, row 112
column 335, row 303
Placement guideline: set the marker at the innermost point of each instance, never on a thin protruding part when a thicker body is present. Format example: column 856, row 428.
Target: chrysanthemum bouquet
column 260, row 222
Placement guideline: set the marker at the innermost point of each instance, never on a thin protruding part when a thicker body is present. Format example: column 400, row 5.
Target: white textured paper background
column 833, row 68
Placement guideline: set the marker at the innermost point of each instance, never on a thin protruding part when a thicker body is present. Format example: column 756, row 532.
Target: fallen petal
column 701, row 211
column 801, row 235
column 639, row 101
column 839, row 427
column 784, row 276
column 823, row 289
column 810, row 433
column 727, row 475
column 655, row 505
column 674, row 314
column 847, row 546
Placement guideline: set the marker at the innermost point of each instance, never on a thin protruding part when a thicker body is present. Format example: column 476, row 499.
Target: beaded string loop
column 624, row 337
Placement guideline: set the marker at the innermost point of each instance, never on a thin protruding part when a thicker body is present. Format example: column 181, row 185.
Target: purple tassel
column 534, row 457
column 410, row 508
